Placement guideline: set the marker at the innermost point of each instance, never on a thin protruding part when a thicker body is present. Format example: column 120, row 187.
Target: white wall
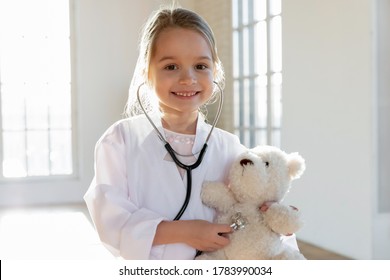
column 329, row 116
column 382, row 219
column 383, row 59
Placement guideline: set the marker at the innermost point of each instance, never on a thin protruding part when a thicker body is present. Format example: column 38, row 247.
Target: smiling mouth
column 186, row 94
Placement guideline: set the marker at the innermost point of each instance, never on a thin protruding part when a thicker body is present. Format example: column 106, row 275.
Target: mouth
column 185, row 93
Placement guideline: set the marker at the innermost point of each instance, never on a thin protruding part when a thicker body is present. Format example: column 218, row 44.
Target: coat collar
column 202, row 131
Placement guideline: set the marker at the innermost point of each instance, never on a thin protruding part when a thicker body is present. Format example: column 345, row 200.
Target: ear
column 296, row 165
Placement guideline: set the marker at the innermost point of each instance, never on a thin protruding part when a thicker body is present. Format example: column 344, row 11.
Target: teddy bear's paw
column 210, row 193
column 283, row 219
column 217, row 195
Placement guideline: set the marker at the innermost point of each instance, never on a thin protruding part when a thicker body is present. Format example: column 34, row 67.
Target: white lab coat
column 135, row 188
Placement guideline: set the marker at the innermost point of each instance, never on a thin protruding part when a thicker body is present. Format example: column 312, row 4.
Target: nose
column 187, row 77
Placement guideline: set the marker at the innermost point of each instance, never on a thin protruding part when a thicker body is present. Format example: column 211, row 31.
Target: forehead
column 180, row 42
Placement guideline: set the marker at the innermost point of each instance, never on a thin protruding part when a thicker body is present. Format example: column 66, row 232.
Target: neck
column 184, row 123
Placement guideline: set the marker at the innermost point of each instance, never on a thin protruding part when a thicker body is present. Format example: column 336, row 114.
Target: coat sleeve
column 125, row 229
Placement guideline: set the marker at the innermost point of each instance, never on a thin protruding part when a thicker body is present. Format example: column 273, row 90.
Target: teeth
column 186, row 94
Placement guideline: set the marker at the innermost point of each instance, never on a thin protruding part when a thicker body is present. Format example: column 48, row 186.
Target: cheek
column 159, row 82
column 208, row 83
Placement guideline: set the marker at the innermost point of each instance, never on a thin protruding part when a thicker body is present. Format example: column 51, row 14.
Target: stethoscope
column 172, row 152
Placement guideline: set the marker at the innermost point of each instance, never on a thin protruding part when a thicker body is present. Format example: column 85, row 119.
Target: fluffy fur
column 262, row 174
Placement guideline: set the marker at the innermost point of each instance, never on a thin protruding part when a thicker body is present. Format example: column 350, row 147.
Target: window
column 257, row 64
column 36, row 120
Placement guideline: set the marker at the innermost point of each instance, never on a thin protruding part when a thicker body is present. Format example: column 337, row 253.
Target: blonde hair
column 158, row 22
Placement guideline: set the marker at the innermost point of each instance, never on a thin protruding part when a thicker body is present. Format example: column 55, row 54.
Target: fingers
column 221, row 238
column 210, row 246
column 223, row 229
column 217, row 237
column 219, row 243
column 206, row 236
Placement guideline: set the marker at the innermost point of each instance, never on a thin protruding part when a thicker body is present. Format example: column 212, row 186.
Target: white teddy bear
column 257, row 177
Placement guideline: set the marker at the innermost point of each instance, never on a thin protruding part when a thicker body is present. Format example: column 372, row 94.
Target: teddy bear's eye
column 266, row 164
column 246, row 161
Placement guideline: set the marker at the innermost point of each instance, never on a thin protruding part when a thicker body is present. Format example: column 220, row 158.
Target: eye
column 245, row 162
column 201, row 67
column 266, row 164
column 170, row 67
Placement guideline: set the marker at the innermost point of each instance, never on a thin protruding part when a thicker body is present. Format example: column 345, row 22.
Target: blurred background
column 308, row 76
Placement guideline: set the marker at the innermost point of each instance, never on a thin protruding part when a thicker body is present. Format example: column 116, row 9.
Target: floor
column 312, row 252
column 55, row 233
column 66, row 232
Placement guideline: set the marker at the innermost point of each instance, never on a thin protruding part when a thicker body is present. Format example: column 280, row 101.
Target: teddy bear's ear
column 296, row 165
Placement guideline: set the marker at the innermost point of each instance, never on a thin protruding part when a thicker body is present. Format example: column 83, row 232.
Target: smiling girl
column 138, row 189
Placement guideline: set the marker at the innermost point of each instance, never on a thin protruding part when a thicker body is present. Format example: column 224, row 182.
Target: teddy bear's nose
column 246, row 161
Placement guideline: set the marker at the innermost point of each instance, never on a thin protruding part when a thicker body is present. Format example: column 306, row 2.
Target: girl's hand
column 199, row 234
column 206, row 236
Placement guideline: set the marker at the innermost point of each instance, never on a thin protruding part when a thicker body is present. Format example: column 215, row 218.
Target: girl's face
column 181, row 70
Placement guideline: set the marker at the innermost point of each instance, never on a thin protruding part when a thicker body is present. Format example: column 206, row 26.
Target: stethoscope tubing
column 189, row 169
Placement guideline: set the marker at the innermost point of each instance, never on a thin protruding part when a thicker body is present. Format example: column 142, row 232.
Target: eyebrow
column 206, row 57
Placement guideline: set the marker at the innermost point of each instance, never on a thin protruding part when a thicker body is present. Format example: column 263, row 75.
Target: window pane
column 275, row 7
column 60, row 154
column 247, row 142
column 261, row 48
column 60, row 107
column 245, row 51
column 14, row 161
column 260, row 9
column 235, row 12
column 276, row 92
column 13, row 115
column 246, row 103
column 37, row 153
column 58, row 15
column 276, row 44
column 37, row 108
column 261, row 102
column 276, row 138
column 245, row 11
column 23, row 59
column 261, row 137
column 12, row 54
column 237, row 108
column 236, row 54
column 58, row 66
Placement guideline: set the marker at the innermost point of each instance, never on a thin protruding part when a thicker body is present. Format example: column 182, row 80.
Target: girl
column 138, row 189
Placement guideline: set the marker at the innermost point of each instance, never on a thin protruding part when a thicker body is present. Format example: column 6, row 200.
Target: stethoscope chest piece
column 238, row 221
